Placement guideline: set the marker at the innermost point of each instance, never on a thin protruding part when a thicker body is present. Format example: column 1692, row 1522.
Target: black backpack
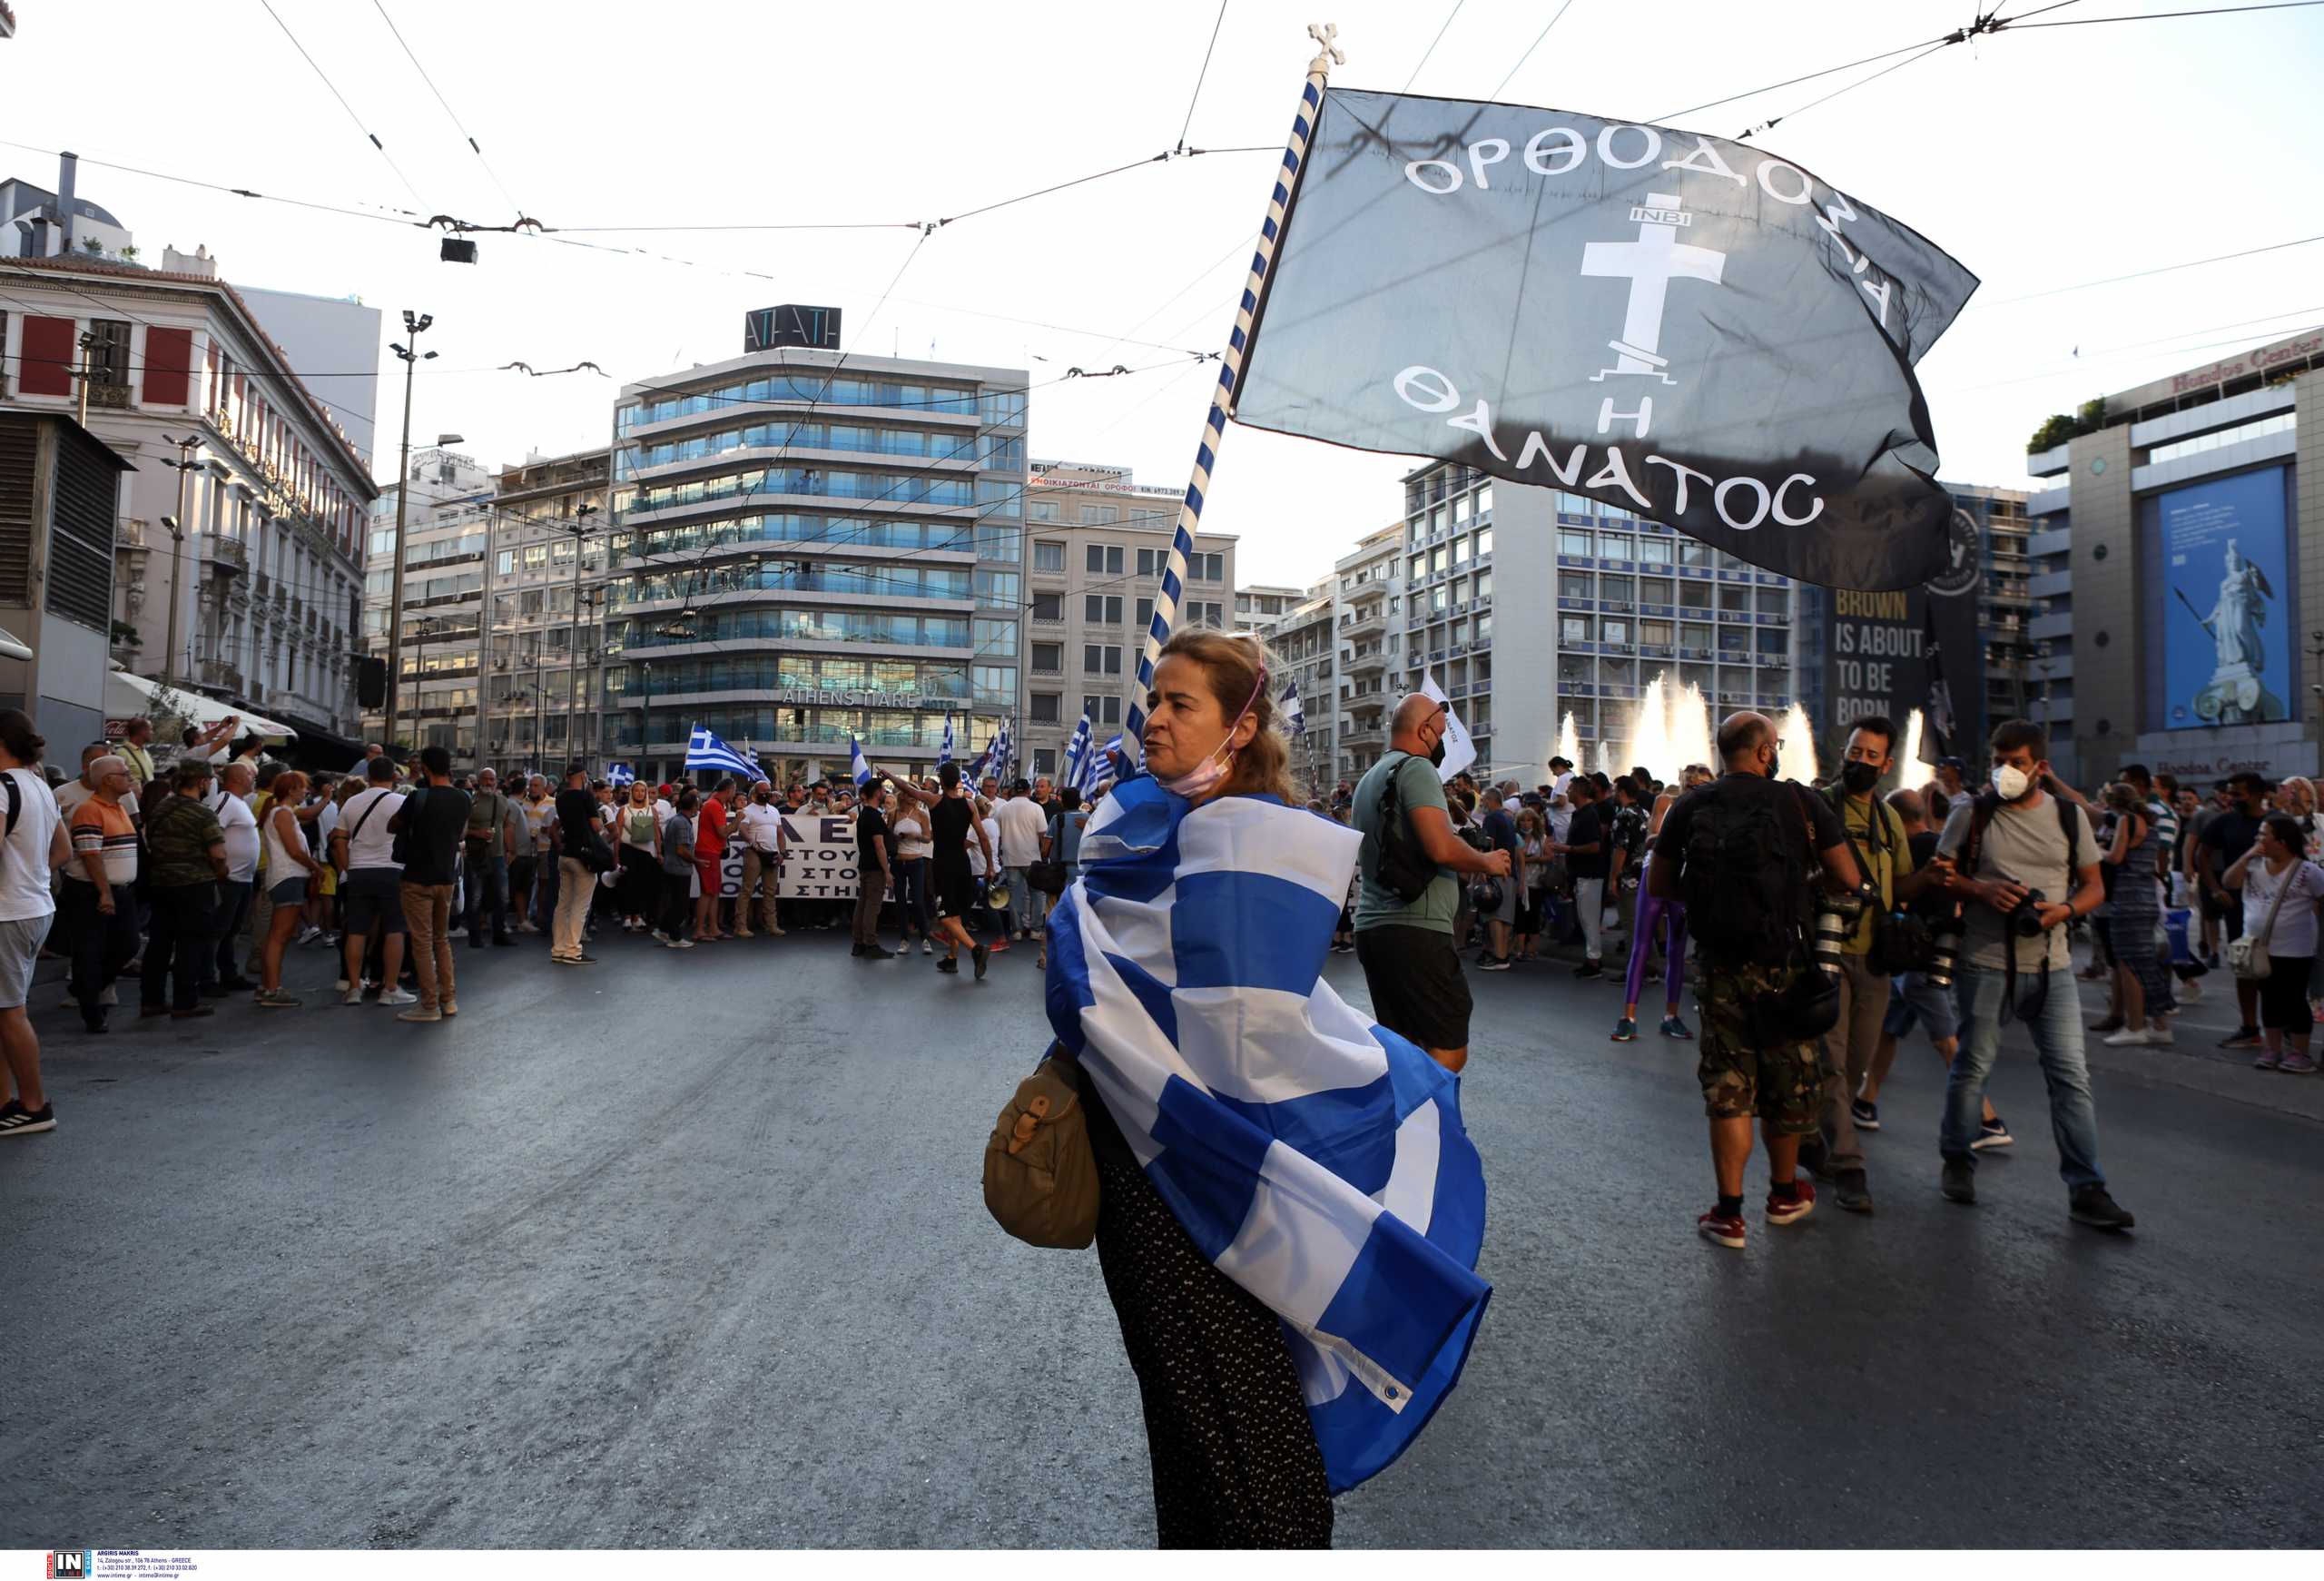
column 1402, row 865
column 1745, row 874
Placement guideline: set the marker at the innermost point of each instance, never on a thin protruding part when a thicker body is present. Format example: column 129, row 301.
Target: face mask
column 1436, row 754
column 2011, row 782
column 1860, row 777
column 1775, row 764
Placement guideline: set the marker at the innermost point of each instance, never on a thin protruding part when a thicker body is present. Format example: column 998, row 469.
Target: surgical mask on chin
column 2011, row 782
column 1204, row 776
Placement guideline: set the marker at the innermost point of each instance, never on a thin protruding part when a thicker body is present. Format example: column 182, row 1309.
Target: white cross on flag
column 1692, row 329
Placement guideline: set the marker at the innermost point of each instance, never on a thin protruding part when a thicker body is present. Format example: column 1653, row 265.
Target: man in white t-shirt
column 230, row 802
column 763, row 829
column 372, row 892
column 538, row 804
column 73, row 792
column 1024, row 840
column 32, row 845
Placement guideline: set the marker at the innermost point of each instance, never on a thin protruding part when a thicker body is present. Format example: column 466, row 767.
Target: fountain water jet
column 1797, row 743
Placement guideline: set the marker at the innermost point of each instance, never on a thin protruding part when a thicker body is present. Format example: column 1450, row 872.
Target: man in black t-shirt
column 2224, row 840
column 873, row 863
column 952, row 825
column 431, row 821
column 1745, row 1074
column 580, row 854
column 1587, row 836
column 1501, row 835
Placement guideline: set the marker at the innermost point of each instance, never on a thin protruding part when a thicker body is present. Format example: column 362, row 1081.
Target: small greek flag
column 1316, row 1158
column 1076, row 754
column 944, row 753
column 855, row 763
column 999, row 755
column 704, row 750
column 620, row 775
column 1293, row 711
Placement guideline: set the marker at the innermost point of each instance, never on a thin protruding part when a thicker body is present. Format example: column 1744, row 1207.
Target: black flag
column 1687, row 327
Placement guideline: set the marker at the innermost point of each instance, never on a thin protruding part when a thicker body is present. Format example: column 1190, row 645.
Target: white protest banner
column 818, row 857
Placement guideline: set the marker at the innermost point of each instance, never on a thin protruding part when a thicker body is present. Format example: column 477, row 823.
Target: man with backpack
column 1741, row 852
column 1407, row 895
column 2028, row 865
column 1876, row 840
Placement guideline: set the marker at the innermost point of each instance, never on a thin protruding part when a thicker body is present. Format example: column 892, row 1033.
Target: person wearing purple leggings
column 1653, row 913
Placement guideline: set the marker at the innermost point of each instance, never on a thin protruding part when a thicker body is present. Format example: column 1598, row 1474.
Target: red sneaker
column 1791, row 1209
column 1727, row 1229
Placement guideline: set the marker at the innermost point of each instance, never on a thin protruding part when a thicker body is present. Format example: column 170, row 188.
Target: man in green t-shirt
column 186, row 858
column 1407, row 945
column 1854, row 1043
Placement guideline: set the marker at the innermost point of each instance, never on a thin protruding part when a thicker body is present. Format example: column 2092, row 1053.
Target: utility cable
column 1431, row 46
column 453, row 114
column 1529, row 51
column 1202, row 75
column 351, row 115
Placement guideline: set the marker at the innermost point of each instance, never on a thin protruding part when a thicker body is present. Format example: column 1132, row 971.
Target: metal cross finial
column 1328, row 54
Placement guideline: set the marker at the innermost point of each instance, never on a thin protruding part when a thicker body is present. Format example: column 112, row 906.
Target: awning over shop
column 128, row 695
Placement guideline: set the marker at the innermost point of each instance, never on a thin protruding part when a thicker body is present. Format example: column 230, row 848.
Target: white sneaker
column 678, row 944
column 350, row 995
column 397, row 996
column 2191, row 992
column 340, row 986
column 2126, row 1038
column 926, row 948
column 2158, row 1035
column 457, row 932
column 308, row 934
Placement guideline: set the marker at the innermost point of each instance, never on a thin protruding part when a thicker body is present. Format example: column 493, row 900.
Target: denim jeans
column 224, row 965
column 1024, row 902
column 486, row 885
column 2057, row 1039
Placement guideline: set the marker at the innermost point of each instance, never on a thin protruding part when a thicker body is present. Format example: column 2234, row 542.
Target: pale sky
column 2041, row 159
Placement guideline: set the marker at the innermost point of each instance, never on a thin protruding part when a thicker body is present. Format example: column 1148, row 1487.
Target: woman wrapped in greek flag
column 1290, row 1209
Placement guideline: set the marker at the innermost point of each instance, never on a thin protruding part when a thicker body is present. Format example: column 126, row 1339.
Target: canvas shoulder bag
column 2248, row 957
column 1040, row 1174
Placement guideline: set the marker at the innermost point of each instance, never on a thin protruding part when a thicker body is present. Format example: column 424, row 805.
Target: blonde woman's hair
column 1239, row 667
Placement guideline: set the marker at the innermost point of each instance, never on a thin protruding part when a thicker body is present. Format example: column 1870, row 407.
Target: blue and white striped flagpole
column 1173, row 574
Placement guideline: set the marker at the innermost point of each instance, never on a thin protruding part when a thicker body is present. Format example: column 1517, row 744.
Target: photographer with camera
column 2015, row 848
column 1741, row 852
column 1879, row 945
column 1924, row 998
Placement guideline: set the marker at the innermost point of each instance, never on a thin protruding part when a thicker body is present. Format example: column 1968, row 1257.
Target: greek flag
column 999, row 752
column 1293, row 711
column 1317, row 1159
column 1076, row 754
column 620, row 775
column 861, row 770
column 704, row 750
column 944, row 753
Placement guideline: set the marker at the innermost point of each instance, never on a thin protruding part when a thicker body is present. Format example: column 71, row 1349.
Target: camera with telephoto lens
column 1835, row 918
column 2025, row 919
column 1945, row 955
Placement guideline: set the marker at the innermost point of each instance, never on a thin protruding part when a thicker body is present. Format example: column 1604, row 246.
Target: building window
column 1045, row 708
column 1102, row 609
column 1102, row 559
column 1099, row 516
column 109, row 356
column 1044, row 760
column 1145, row 614
column 1049, row 658
column 1042, row 510
column 1103, row 710
column 1101, row 658
column 1048, row 555
column 1049, row 606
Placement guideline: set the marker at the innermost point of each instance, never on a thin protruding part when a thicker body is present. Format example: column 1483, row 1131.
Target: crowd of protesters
column 198, row 878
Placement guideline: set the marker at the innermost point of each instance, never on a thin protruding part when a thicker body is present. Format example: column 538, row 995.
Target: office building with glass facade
column 1528, row 603
column 815, row 547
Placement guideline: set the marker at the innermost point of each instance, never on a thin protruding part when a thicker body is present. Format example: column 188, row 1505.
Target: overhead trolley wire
column 453, row 114
column 351, row 115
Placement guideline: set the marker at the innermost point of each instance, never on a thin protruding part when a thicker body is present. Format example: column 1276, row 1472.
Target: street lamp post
column 579, row 528
column 187, row 466
column 414, row 326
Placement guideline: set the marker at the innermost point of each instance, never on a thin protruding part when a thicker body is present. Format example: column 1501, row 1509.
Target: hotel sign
column 809, row 696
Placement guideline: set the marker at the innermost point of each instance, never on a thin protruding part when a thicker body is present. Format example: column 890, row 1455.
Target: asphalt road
column 688, row 1250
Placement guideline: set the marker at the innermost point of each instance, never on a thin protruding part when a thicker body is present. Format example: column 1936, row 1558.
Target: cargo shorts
column 1744, row 1078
